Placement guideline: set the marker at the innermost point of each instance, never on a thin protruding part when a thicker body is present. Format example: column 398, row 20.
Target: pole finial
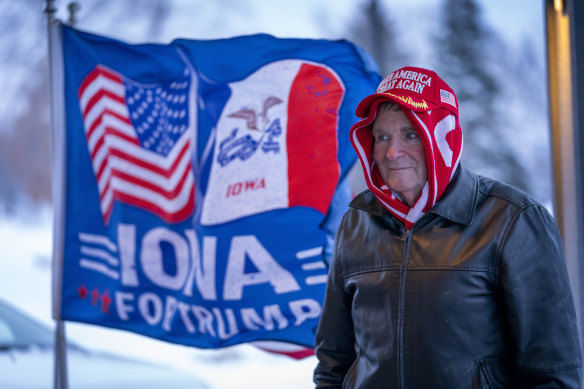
column 73, row 8
column 50, row 8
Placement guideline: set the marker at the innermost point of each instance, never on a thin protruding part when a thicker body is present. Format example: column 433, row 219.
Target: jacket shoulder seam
column 507, row 231
column 527, row 201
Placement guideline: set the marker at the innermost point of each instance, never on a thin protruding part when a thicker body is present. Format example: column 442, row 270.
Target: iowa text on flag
column 139, row 140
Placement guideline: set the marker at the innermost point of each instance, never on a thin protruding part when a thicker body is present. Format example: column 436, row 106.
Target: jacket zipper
column 401, row 308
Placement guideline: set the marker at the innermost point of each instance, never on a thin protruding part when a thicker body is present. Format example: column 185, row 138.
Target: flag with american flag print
column 139, row 139
column 204, row 182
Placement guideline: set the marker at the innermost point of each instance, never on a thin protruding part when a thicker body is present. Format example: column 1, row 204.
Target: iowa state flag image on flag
column 204, row 182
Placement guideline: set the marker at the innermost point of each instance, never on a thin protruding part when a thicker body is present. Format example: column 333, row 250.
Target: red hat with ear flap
column 431, row 107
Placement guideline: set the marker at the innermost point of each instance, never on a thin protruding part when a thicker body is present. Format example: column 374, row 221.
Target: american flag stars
column 139, row 140
column 159, row 113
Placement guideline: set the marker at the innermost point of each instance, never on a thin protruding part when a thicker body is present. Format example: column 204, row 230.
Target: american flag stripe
column 121, row 148
column 91, row 100
column 112, row 122
column 108, row 113
column 172, row 215
column 100, row 79
column 164, row 178
column 141, row 164
column 447, row 97
column 104, row 98
column 124, row 170
column 161, row 199
column 169, row 185
column 118, row 184
column 154, row 162
column 122, row 176
column 105, row 109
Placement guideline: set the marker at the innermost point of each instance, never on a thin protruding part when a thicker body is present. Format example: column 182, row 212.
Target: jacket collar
column 458, row 203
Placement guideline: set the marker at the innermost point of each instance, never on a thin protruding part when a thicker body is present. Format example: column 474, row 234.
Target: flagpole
column 56, row 101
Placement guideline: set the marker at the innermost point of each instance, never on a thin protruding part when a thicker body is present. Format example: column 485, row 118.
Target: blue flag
column 205, row 180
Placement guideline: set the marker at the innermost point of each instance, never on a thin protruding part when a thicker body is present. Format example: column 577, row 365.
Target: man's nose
column 395, row 150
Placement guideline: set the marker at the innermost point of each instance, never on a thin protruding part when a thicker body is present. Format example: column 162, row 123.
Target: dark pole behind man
column 441, row 278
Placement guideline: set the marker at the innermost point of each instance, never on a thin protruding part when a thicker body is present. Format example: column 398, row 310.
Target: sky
column 516, row 18
column 317, row 18
column 26, row 238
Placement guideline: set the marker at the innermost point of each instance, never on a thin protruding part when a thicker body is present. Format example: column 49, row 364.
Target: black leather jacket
column 475, row 295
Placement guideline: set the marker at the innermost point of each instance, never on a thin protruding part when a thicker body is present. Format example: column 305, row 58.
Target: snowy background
column 512, row 51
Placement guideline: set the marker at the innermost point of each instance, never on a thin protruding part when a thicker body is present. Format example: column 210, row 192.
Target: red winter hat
column 413, row 88
column 431, row 107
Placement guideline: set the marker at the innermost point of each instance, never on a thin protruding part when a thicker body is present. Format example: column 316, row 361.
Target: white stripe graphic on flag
column 101, row 254
column 99, row 240
column 99, row 267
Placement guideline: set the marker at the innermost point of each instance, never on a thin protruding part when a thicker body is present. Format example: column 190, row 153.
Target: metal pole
column 575, row 12
column 563, row 135
column 56, row 102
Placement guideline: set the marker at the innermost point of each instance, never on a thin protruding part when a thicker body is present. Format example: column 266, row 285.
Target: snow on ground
column 25, row 281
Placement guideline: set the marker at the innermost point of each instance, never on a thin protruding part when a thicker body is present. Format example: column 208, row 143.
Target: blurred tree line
column 501, row 88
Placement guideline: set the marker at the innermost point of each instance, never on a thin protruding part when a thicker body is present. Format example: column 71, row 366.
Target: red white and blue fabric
column 139, row 140
column 252, row 172
column 205, row 180
column 441, row 136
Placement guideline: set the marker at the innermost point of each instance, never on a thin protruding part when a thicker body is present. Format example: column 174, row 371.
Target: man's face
column 399, row 153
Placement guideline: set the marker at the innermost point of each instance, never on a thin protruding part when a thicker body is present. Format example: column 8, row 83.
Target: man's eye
column 381, row 138
column 411, row 135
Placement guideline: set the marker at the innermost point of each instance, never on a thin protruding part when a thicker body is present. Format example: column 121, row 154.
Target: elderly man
column 441, row 278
